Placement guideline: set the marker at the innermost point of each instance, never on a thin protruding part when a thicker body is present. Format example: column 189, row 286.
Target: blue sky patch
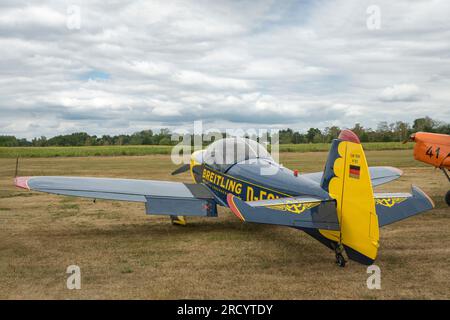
column 95, row 75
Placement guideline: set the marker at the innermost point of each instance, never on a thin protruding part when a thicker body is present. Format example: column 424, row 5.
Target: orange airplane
column 434, row 149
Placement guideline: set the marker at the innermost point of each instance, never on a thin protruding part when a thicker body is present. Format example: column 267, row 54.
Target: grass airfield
column 125, row 254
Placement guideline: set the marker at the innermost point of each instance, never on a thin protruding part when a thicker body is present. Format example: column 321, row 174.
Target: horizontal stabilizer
column 393, row 207
column 378, row 175
column 294, row 212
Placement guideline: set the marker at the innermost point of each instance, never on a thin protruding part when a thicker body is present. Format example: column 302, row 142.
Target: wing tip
column 415, row 190
column 397, row 170
column 394, row 170
column 233, row 207
column 22, row 182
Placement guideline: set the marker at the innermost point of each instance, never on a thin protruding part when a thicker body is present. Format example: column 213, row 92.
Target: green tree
column 286, row 136
column 424, row 124
column 331, row 133
column 312, row 132
column 401, row 131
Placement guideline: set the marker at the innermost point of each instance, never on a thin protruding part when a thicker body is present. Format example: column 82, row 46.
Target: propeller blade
column 17, row 167
column 183, row 168
column 410, row 138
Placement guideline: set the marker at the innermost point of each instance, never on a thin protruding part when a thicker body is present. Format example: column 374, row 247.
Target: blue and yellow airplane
column 337, row 206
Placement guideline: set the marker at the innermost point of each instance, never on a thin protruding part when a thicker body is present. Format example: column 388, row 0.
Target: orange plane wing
column 432, row 148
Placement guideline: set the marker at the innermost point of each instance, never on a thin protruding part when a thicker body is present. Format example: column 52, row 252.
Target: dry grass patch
column 125, row 254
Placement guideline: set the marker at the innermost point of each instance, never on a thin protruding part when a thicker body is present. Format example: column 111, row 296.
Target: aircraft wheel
column 447, row 198
column 340, row 260
column 178, row 220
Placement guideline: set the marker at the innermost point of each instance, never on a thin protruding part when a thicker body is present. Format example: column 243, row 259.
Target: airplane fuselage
column 257, row 180
column 432, row 148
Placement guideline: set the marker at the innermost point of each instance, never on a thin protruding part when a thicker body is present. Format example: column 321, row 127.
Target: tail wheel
column 340, row 260
column 447, row 198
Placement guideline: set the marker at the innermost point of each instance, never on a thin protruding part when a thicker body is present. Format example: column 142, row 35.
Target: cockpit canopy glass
column 224, row 153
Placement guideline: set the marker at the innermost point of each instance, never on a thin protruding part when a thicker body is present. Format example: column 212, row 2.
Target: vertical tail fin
column 347, row 179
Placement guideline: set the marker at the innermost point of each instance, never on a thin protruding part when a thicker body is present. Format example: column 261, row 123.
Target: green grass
column 92, row 151
column 368, row 146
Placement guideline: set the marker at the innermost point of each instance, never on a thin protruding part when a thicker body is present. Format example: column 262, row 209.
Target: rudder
column 347, row 179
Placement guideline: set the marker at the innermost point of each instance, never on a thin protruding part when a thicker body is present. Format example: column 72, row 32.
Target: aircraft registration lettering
column 255, row 194
column 355, row 168
column 355, row 158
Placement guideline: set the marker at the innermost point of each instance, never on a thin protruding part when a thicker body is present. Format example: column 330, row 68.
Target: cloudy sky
column 121, row 68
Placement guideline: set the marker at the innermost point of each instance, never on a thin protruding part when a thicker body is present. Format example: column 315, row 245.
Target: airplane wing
column 305, row 212
column 160, row 197
column 378, row 175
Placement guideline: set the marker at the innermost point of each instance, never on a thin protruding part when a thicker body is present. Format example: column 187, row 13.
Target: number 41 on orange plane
column 433, row 149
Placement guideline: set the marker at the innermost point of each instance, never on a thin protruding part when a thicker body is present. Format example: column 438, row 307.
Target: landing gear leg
column 340, row 260
column 447, row 196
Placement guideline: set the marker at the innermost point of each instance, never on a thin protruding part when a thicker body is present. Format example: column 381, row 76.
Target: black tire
column 340, row 261
column 447, row 198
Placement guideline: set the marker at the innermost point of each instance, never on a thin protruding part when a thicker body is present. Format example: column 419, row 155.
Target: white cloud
column 194, row 78
column 402, row 92
column 38, row 16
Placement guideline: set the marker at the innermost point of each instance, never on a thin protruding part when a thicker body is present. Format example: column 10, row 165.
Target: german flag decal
column 354, row 171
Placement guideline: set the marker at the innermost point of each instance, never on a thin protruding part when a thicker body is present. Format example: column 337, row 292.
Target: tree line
column 385, row 132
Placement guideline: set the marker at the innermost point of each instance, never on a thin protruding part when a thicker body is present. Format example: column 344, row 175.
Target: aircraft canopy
column 224, row 153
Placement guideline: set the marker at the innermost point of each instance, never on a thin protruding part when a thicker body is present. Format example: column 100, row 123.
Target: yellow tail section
column 349, row 183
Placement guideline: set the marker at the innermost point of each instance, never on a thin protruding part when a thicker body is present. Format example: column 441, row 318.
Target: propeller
column 17, row 167
column 183, row 168
column 410, row 138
